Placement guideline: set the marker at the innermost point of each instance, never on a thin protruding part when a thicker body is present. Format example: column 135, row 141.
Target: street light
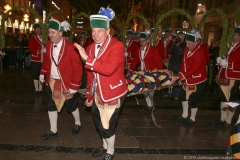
column 7, row 7
column 26, row 16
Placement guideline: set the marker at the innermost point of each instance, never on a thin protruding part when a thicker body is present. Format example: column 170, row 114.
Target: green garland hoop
column 127, row 23
column 120, row 26
column 223, row 45
column 168, row 13
column 5, row 16
column 232, row 28
column 74, row 21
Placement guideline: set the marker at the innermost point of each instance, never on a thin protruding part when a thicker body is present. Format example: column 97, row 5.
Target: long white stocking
column 53, row 115
column 223, row 113
column 110, row 144
column 185, row 108
column 193, row 113
column 76, row 116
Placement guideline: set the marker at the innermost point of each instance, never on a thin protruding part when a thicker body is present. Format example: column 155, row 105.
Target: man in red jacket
column 83, row 40
column 131, row 47
column 62, row 68
column 167, row 41
column 229, row 80
column 37, row 49
column 159, row 44
column 105, row 80
column 193, row 76
column 149, row 59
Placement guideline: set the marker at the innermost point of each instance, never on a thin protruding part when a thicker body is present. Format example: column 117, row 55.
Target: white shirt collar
column 59, row 45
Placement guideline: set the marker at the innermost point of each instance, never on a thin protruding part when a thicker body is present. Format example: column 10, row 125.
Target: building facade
column 212, row 27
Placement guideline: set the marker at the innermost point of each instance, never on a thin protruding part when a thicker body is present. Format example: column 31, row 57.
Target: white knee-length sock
column 193, row 113
column 110, row 144
column 76, row 116
column 53, row 115
column 223, row 113
column 185, row 109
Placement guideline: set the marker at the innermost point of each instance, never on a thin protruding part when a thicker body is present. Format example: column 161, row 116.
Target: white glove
column 126, row 54
column 218, row 59
column 41, row 78
column 223, row 63
column 72, row 91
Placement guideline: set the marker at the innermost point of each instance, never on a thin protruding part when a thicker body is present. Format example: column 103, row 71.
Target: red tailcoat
column 131, row 49
column 232, row 71
column 152, row 59
column 108, row 68
column 35, row 47
column 69, row 65
column 160, row 47
column 167, row 54
column 193, row 66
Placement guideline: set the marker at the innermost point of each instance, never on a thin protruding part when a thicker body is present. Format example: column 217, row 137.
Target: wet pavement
column 23, row 119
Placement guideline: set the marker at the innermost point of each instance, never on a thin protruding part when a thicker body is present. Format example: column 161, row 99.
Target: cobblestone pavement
column 23, row 119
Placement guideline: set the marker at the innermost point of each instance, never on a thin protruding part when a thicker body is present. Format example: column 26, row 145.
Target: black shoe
column 189, row 122
column 76, row 129
column 41, row 92
column 217, row 122
column 108, row 157
column 99, row 152
column 48, row 135
column 180, row 118
column 224, row 125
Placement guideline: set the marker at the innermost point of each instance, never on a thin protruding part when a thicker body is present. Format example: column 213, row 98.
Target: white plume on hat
column 196, row 33
column 148, row 32
column 66, row 26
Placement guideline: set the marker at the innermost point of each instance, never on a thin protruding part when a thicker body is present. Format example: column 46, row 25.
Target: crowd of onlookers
column 17, row 54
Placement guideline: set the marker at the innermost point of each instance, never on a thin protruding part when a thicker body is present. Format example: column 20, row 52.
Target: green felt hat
column 129, row 32
column 237, row 30
column 36, row 25
column 84, row 32
column 191, row 37
column 152, row 30
column 167, row 30
column 143, row 35
column 99, row 21
column 54, row 24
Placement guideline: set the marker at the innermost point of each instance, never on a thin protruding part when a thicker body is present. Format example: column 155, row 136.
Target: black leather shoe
column 41, row 92
column 180, row 118
column 189, row 122
column 217, row 122
column 76, row 129
column 99, row 152
column 108, row 157
column 224, row 125
column 48, row 135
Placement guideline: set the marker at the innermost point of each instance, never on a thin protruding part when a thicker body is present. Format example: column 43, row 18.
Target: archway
column 127, row 23
column 168, row 13
column 223, row 45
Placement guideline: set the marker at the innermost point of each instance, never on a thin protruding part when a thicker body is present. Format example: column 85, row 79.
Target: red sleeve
column 135, row 60
column 108, row 67
column 46, row 60
column 33, row 46
column 157, row 59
